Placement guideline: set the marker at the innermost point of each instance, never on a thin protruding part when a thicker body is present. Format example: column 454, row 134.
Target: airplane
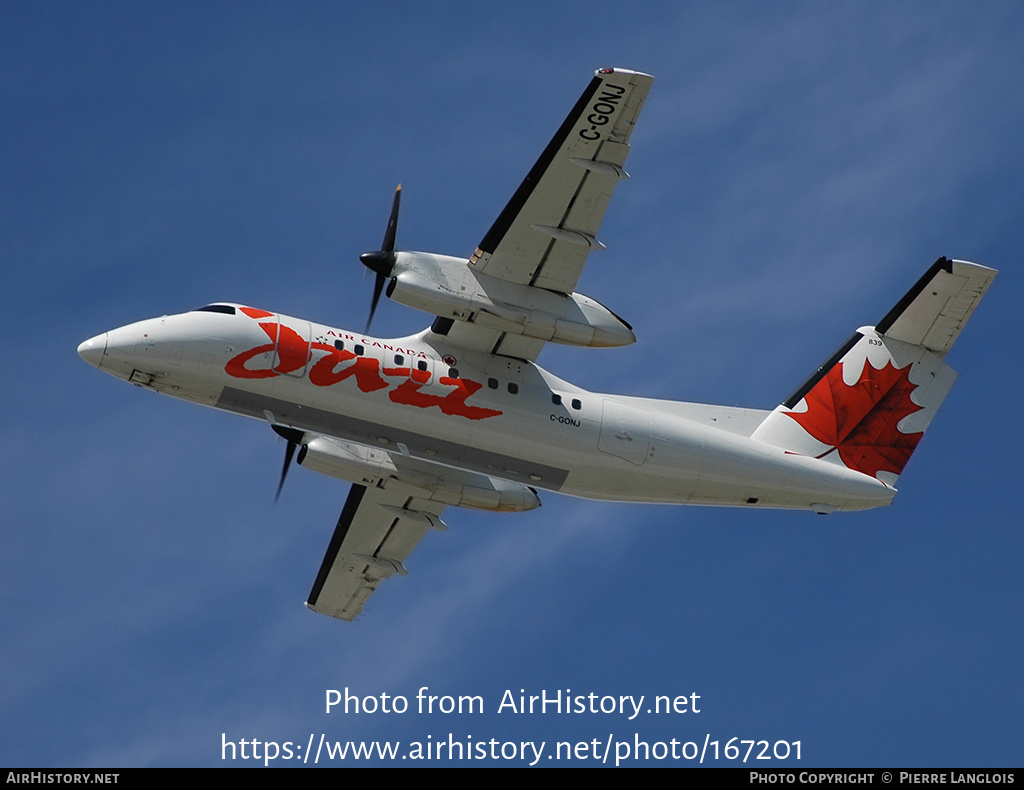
column 461, row 415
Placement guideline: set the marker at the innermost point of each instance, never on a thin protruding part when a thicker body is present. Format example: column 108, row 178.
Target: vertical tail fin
column 869, row 404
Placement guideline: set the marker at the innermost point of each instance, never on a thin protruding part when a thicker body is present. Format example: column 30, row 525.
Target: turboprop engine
column 449, row 288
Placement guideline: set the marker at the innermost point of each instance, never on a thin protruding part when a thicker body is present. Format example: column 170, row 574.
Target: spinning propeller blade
column 294, row 439
column 382, row 261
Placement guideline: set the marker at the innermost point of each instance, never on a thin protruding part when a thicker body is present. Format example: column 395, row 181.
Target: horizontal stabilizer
column 935, row 310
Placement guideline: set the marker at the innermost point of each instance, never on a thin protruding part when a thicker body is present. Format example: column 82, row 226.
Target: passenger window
column 339, row 344
column 556, row 399
column 422, row 364
column 492, row 383
column 513, row 387
column 576, row 403
column 453, row 373
column 359, row 350
column 399, row 359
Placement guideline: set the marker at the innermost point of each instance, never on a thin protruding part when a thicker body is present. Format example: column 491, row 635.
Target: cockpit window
column 216, row 308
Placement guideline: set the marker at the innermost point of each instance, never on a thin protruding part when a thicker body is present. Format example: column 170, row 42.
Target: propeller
column 382, row 261
column 294, row 439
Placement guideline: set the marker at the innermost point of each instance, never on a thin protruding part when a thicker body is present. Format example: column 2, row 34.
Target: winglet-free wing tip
column 994, row 272
column 345, row 617
column 600, row 72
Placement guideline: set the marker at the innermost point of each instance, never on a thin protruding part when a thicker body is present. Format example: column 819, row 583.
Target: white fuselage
column 495, row 415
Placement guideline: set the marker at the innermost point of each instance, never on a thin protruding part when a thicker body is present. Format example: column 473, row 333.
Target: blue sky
column 796, row 168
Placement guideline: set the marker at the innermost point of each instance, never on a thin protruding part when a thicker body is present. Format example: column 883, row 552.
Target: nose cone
column 92, row 349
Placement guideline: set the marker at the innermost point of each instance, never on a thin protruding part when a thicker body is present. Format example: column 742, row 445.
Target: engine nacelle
column 449, row 288
column 356, row 463
column 416, row 477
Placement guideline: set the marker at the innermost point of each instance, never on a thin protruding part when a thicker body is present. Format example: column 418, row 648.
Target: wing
column 544, row 234
column 376, row 532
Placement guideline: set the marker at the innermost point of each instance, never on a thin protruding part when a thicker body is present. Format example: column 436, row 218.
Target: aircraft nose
column 92, row 349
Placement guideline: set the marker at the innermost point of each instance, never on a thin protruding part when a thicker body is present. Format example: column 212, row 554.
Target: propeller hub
column 380, row 261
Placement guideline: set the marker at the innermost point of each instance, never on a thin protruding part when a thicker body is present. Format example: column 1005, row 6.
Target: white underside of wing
column 377, row 531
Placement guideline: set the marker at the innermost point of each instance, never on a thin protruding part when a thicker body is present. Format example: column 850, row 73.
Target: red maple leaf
column 860, row 420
